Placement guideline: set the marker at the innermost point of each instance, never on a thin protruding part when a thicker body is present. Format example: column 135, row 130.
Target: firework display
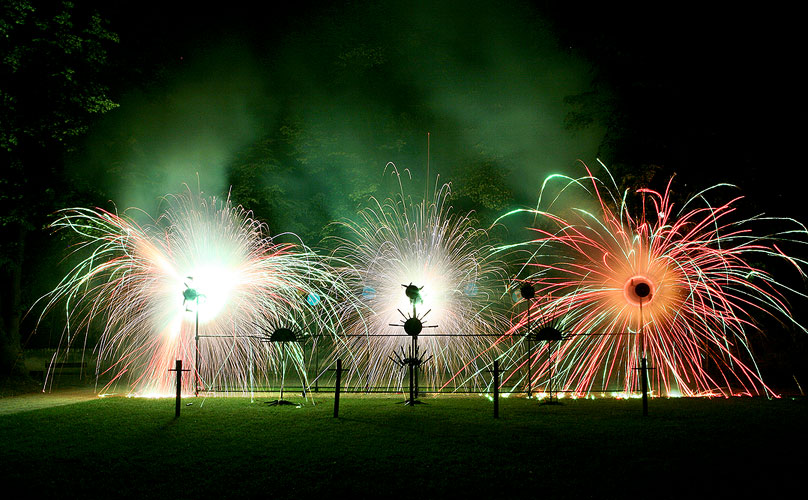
column 203, row 283
column 612, row 279
column 416, row 259
column 635, row 276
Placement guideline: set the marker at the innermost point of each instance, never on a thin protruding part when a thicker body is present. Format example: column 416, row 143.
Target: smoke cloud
column 300, row 111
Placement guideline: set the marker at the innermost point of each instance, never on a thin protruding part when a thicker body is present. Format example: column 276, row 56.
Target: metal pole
column 336, row 388
column 529, row 354
column 644, row 375
column 415, row 367
column 316, row 366
column 552, row 365
column 643, row 367
column 178, row 367
column 196, row 359
column 252, row 379
column 367, row 362
column 412, row 384
column 413, row 357
column 496, row 389
column 283, row 369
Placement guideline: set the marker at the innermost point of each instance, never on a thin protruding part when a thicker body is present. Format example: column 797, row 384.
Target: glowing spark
column 399, row 242
column 134, row 282
column 700, row 292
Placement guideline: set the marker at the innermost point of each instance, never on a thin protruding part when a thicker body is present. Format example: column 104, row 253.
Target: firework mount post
column 496, row 388
column 528, row 292
column 193, row 296
column 337, row 385
column 178, row 368
column 281, row 336
column 643, row 290
column 549, row 333
column 412, row 359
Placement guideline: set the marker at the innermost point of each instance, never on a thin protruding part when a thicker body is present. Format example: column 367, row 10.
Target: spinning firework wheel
column 551, row 334
column 132, row 277
column 638, row 290
column 283, row 336
column 644, row 275
column 412, row 359
column 528, row 292
column 549, row 331
column 191, row 296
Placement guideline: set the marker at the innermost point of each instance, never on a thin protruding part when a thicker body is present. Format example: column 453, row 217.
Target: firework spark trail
column 133, row 280
column 705, row 292
column 399, row 242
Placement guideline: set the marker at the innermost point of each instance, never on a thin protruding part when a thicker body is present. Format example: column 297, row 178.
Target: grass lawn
column 451, row 447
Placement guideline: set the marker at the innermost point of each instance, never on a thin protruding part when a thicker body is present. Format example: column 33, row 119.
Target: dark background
column 295, row 111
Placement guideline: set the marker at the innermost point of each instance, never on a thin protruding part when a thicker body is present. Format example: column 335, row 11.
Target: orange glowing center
column 639, row 290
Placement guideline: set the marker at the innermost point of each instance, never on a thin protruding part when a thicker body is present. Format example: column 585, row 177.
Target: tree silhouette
column 54, row 56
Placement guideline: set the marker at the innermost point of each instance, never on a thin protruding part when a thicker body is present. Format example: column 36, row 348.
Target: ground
column 450, row 447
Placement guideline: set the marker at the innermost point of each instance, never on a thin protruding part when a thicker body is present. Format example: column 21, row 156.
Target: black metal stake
column 528, row 292
column 412, row 359
column 415, row 370
column 496, row 389
column 178, row 368
column 643, row 365
column 412, row 384
column 196, row 343
column 551, row 362
column 316, row 366
column 644, row 374
column 282, row 335
column 336, row 388
column 643, row 290
column 192, row 295
column 283, row 368
column 529, row 355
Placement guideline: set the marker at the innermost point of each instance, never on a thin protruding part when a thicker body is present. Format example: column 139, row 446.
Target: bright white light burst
column 131, row 281
column 401, row 242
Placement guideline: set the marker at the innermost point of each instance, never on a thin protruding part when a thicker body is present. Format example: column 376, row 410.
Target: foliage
column 54, row 56
column 689, row 94
column 53, row 59
column 484, row 188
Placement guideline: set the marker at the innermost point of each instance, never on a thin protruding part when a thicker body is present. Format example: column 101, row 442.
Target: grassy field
column 450, row 447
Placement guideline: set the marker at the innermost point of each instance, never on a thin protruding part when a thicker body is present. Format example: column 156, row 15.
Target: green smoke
column 301, row 113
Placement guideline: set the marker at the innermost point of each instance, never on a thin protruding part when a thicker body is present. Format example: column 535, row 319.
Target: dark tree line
column 706, row 91
column 54, row 56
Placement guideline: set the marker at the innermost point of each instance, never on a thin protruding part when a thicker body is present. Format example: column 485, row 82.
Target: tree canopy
column 52, row 73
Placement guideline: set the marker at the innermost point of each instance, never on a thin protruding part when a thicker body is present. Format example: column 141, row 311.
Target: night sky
column 314, row 100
